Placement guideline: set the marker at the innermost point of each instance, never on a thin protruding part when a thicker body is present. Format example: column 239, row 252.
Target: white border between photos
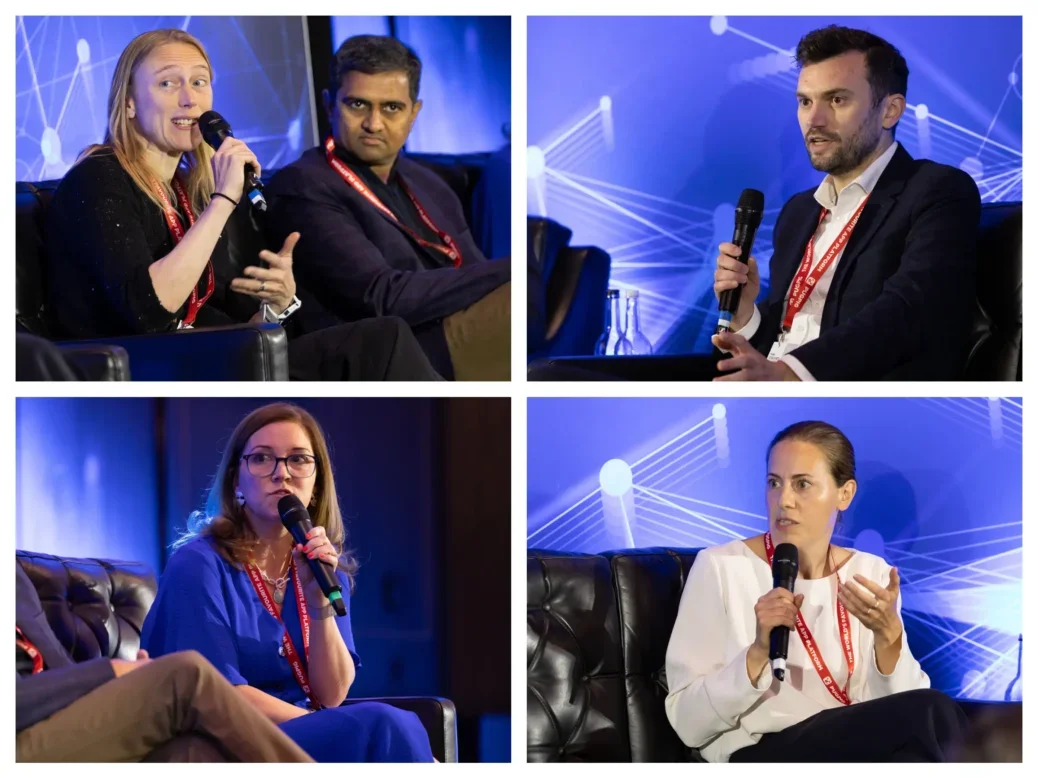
column 518, row 389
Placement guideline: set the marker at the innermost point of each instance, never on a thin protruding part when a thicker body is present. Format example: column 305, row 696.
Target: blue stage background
column 939, row 496
column 118, row 478
column 664, row 121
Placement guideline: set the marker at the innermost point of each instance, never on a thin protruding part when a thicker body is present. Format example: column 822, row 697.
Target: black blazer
column 40, row 696
column 904, row 291
column 354, row 262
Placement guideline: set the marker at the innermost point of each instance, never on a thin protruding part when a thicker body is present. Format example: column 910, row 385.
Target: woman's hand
column 777, row 608
column 874, row 606
column 274, row 285
column 318, row 546
column 229, row 167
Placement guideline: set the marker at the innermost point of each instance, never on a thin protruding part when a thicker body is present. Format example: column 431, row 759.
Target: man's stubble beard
column 851, row 152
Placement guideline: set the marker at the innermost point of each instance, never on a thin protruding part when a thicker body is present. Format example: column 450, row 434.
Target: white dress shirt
column 840, row 207
column 712, row 704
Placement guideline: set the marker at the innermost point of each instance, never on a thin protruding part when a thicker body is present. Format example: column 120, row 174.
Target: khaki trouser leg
column 479, row 338
column 128, row 718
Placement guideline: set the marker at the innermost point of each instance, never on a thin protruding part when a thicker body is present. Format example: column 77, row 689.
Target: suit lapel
column 881, row 203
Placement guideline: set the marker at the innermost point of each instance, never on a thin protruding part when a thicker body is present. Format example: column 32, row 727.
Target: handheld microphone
column 748, row 214
column 784, row 568
column 214, row 129
column 297, row 521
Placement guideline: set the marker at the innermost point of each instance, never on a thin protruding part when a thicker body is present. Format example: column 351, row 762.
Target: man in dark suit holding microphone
column 873, row 274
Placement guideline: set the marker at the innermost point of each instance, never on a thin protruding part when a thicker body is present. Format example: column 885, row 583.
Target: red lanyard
column 812, row 648
column 449, row 248
column 304, row 620
column 805, row 280
column 177, row 231
column 26, row 645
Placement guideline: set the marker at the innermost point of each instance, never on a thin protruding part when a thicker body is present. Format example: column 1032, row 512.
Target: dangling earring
column 313, row 500
column 239, row 497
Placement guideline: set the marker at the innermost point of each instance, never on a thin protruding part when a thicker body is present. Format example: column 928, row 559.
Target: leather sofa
column 566, row 291
column 97, row 607
column 597, row 628
column 996, row 350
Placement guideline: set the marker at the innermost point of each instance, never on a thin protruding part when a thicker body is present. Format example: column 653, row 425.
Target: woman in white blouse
column 874, row 703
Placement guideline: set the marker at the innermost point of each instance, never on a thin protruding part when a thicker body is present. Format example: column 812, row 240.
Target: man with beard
column 873, row 273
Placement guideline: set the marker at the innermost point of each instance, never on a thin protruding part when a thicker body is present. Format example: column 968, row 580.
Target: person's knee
column 390, row 720
column 189, row 666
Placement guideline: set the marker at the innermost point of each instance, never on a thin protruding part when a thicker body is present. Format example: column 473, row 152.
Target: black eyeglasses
column 263, row 465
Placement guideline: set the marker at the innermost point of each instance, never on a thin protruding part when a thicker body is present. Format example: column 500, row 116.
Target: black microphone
column 297, row 521
column 748, row 214
column 214, row 129
column 784, row 567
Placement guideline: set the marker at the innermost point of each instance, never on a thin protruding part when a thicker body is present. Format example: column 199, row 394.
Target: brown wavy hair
column 224, row 522
column 124, row 140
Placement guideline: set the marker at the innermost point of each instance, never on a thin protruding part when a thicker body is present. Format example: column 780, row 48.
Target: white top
column 712, row 705
column 839, row 207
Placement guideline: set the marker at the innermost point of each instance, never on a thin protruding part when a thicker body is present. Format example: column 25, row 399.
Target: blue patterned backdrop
column 662, row 122
column 64, row 67
column 939, row 496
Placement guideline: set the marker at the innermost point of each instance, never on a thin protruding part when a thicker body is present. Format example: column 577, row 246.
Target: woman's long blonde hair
column 124, row 139
column 224, row 522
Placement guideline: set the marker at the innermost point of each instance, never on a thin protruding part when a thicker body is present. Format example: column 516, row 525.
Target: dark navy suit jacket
column 63, row 681
column 902, row 299
column 353, row 262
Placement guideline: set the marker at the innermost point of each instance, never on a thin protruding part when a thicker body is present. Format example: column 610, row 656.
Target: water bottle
column 611, row 334
column 633, row 331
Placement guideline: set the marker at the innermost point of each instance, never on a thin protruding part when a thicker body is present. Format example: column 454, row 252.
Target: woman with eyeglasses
column 238, row 590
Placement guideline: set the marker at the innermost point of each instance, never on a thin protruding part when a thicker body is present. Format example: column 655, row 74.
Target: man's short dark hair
column 372, row 54
column 887, row 69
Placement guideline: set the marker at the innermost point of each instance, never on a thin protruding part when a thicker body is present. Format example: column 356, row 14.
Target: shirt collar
column 826, row 196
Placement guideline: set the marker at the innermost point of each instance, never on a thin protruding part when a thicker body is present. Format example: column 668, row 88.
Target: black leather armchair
column 597, row 628
column 244, row 352
column 97, row 607
column 566, row 292
column 996, row 350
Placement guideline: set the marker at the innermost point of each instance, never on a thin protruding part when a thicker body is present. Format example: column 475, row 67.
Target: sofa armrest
column 97, row 362
column 437, row 716
column 240, row 352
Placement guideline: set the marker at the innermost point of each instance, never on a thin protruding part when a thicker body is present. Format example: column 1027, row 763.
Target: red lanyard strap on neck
column 194, row 304
column 449, row 247
column 302, row 678
column 813, row 650
column 27, row 646
column 806, row 279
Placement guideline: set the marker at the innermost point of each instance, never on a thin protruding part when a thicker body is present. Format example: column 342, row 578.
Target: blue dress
column 205, row 604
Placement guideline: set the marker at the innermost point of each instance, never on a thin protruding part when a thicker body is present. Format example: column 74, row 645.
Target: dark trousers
column 379, row 349
column 176, row 708
column 923, row 725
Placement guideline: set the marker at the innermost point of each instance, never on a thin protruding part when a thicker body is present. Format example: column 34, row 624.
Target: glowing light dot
column 1013, row 78
column 534, row 162
column 922, row 111
column 616, row 478
column 83, row 51
column 719, row 411
column 973, row 166
column 295, row 134
column 50, row 146
column 606, row 103
column 718, row 25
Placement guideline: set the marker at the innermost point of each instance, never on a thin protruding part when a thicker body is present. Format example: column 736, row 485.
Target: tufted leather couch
column 996, row 351
column 597, row 628
column 97, row 607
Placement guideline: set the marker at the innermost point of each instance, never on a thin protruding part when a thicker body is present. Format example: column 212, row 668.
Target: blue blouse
column 205, row 604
